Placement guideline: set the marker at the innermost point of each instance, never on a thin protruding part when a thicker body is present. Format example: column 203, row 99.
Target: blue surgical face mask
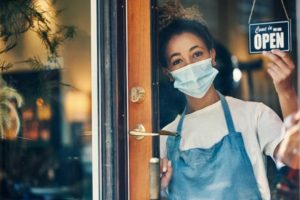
column 195, row 79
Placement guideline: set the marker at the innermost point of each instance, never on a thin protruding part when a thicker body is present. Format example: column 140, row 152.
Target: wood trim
column 139, row 74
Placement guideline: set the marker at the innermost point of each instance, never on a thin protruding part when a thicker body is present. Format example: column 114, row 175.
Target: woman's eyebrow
column 195, row 47
column 173, row 55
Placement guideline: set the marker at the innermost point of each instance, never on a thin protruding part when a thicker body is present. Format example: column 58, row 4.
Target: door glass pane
column 182, row 42
column 45, row 58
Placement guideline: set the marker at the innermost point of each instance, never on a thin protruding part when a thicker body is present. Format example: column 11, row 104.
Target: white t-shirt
column 259, row 125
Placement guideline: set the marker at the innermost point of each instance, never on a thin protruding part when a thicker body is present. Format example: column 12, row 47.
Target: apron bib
column 221, row 172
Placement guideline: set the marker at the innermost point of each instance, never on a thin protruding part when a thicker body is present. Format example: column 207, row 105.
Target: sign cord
column 252, row 9
column 287, row 17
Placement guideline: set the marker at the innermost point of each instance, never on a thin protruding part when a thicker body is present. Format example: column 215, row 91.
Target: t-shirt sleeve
column 269, row 129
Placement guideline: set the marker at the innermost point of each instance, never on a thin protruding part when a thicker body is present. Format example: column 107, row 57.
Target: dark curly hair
column 177, row 27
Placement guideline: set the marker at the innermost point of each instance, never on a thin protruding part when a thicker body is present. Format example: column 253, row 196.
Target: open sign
column 269, row 35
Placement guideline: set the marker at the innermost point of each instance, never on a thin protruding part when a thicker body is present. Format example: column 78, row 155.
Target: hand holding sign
column 281, row 70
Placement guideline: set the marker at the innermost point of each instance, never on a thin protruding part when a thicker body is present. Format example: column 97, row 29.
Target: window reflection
column 51, row 156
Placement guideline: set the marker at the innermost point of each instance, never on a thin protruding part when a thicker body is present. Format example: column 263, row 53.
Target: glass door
column 46, row 100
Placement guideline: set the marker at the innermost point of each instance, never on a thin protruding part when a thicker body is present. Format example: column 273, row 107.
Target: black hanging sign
column 269, row 35
column 266, row 36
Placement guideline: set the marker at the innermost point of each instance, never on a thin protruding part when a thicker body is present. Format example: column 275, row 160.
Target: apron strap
column 179, row 126
column 175, row 142
column 228, row 117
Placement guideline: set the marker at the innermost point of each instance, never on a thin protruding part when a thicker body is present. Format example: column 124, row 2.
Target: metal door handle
column 140, row 132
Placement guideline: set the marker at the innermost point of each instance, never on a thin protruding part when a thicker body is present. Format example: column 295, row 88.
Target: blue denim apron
column 221, row 172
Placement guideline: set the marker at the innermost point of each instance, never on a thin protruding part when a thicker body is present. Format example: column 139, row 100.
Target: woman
column 221, row 143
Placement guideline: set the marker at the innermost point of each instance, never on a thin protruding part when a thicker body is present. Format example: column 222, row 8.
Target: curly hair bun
column 172, row 10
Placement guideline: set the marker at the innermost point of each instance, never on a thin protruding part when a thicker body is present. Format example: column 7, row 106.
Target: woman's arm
column 281, row 70
column 288, row 150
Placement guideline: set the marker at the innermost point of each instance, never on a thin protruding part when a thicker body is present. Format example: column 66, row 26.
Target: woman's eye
column 176, row 62
column 197, row 54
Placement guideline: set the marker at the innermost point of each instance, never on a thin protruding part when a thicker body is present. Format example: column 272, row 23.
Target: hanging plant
column 16, row 18
column 19, row 16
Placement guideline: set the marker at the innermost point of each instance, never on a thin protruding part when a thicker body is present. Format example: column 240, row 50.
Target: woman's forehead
column 184, row 41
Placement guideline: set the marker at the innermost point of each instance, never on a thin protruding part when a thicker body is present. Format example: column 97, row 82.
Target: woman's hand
column 288, row 151
column 166, row 172
column 281, row 68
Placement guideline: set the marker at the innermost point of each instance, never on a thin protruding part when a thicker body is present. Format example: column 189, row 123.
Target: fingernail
column 169, row 163
column 164, row 169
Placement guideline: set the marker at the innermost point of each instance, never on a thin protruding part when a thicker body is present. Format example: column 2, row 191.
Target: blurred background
column 51, row 156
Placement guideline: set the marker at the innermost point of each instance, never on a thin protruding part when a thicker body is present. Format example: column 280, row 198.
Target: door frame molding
column 111, row 158
column 109, row 80
column 96, row 101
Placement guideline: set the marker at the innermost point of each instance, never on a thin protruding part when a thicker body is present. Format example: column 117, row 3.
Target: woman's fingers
column 276, row 70
column 275, row 73
column 282, row 65
column 280, row 69
column 280, row 56
column 278, row 62
column 169, row 171
column 166, row 172
column 285, row 57
column 164, row 165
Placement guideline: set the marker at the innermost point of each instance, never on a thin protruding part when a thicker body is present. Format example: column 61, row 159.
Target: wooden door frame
column 112, row 99
column 142, row 72
column 139, row 75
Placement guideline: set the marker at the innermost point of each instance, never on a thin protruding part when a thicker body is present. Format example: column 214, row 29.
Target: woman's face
column 186, row 48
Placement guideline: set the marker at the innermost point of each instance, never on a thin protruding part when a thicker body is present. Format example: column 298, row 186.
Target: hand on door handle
column 139, row 132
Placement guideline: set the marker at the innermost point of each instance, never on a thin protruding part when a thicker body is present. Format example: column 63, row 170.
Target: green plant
column 20, row 16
